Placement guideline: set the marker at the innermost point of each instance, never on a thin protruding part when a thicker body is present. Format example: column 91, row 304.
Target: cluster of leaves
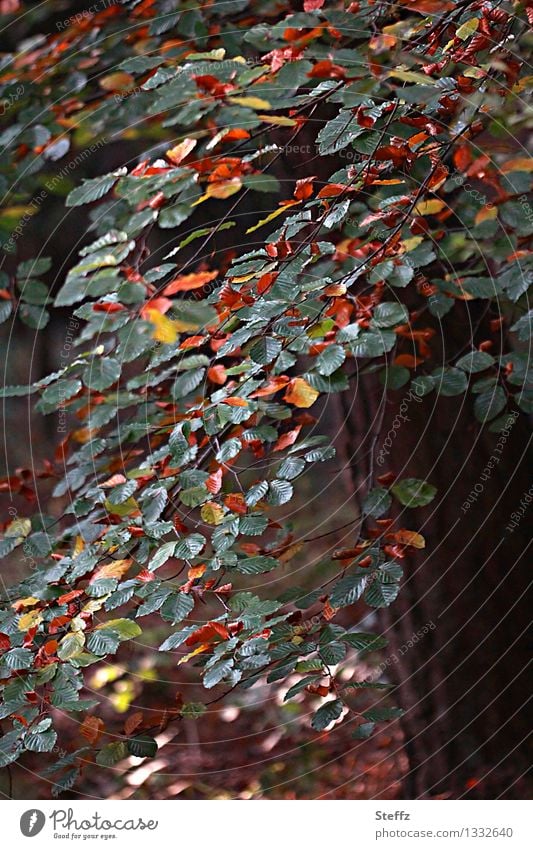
column 193, row 378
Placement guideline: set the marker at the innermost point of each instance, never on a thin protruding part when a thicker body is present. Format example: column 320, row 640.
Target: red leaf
column 287, row 439
column 214, row 482
column 217, row 374
column 208, row 632
column 108, row 307
column 64, row 599
column 304, row 188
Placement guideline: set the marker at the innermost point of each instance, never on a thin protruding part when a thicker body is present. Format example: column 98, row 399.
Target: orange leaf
column 116, row 82
column 217, row 374
column 186, row 282
column 133, row 722
column 181, row 150
column 91, row 728
column 235, row 401
column 235, row 502
column 300, row 393
column 331, row 190
column 271, row 386
column 411, row 538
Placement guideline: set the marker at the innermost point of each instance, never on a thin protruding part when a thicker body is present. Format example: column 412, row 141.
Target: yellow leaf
column 300, row 393
column 79, row 545
column 252, row 102
column 165, row 329
column 467, row 29
column 25, row 602
column 18, row 528
column 203, row 647
column 124, row 509
column 272, row 215
column 224, row 189
column 412, row 243
column 116, row 82
column 411, row 77
column 290, row 552
column 78, row 624
column 30, row 620
column 181, row 150
column 523, row 163
column 410, row 538
column 93, row 606
column 212, row 513
column 84, row 434
column 486, row 213
column 429, row 207
column 278, row 120
column 115, row 569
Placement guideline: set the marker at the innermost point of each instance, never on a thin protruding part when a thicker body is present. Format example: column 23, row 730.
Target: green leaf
column 112, row 753
column 388, row 314
column 218, row 672
column 348, row 590
column 193, row 710
column 91, row 190
column 142, row 746
column 380, row 594
column 326, row 713
column 450, row 381
column 475, row 361
column 162, row 555
column 71, row 645
column 256, row 565
column 189, row 546
column 102, row 373
column 338, row 133
column 330, row 359
column 488, row 404
column 126, row 629
column 412, row 492
column 18, row 659
column 279, row 492
column 177, row 607
column 265, row 350
column 40, row 742
column 363, row 731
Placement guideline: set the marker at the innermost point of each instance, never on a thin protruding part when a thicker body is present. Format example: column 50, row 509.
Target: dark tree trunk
column 463, row 680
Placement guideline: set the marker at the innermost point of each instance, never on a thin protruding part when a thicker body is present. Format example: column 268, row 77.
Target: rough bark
column 463, row 683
